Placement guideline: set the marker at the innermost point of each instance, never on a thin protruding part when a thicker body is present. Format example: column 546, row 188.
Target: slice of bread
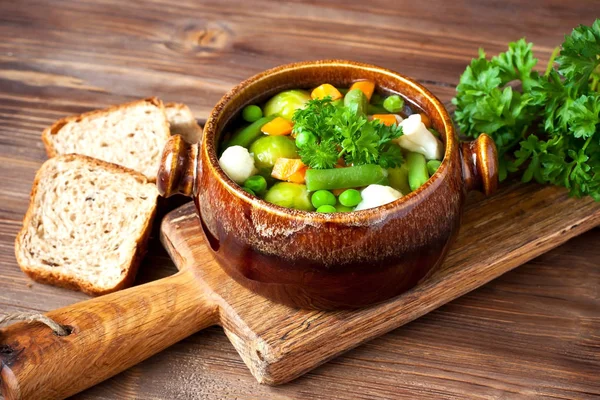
column 132, row 135
column 183, row 123
column 87, row 225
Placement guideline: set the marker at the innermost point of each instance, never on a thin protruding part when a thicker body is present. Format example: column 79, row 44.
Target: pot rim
column 405, row 202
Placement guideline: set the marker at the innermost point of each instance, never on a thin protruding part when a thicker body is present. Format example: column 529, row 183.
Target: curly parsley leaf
column 341, row 132
column 550, row 128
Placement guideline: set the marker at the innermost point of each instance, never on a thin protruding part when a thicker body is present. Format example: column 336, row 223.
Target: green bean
column 376, row 109
column 393, row 103
column 399, row 178
column 339, row 178
column 417, row 170
column 432, row 166
column 249, row 134
column 377, row 99
column 356, row 100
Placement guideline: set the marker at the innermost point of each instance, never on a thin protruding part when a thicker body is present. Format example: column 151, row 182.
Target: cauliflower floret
column 416, row 137
column 377, row 195
column 237, row 163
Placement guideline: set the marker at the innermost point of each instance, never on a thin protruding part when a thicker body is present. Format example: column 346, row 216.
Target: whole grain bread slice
column 87, row 225
column 183, row 123
column 132, row 135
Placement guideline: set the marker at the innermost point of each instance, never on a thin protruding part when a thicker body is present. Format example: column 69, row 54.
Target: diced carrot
column 341, row 163
column 289, row 169
column 367, row 87
column 299, row 176
column 337, row 192
column 425, row 120
column 386, row 119
column 325, row 90
column 277, row 127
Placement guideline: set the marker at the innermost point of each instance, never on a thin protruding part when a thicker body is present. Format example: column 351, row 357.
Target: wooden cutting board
column 279, row 343
column 111, row 333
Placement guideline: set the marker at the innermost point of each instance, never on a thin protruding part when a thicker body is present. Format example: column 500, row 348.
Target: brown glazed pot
column 327, row 261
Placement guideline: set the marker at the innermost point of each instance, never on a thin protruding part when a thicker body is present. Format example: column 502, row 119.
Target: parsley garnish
column 341, row 132
column 550, row 127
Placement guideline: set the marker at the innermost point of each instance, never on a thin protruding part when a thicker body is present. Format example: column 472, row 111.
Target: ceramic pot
column 327, row 261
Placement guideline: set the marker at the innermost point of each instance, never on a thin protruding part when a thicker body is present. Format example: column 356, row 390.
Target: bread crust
column 56, row 127
column 58, row 279
column 197, row 129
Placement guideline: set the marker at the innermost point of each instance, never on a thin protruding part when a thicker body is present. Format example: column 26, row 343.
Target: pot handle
column 479, row 160
column 177, row 170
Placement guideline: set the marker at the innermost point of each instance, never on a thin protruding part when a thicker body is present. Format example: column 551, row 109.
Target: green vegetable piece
column 252, row 113
column 343, row 91
column 268, row 149
column 326, row 209
column 323, row 198
column 432, row 166
column 434, row 133
column 290, row 195
column 356, row 101
column 376, row 109
column 399, row 178
column 393, row 103
column 339, row 178
column 377, row 99
column 249, row 191
column 350, row 198
column 305, row 138
column 341, row 208
column 338, row 103
column 249, row 134
column 417, row 170
column 256, row 183
column 285, row 104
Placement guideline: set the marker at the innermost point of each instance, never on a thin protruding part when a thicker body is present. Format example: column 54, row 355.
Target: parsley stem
column 587, row 142
column 551, row 61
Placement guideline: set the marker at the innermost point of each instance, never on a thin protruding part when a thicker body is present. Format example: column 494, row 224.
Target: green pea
column 341, row 208
column 305, row 138
column 322, row 198
column 249, row 191
column 326, row 209
column 432, row 166
column 256, row 183
column 252, row 113
column 350, row 198
column 250, row 133
column 393, row 103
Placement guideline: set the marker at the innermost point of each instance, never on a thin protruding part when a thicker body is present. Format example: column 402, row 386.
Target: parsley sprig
column 340, row 132
column 549, row 128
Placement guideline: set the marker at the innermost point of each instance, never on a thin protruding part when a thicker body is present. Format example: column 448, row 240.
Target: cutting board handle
column 480, row 164
column 108, row 334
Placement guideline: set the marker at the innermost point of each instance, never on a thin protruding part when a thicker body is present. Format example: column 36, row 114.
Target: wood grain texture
column 279, row 343
column 529, row 332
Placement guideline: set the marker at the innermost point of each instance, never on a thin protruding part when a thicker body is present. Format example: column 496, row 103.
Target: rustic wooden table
column 535, row 332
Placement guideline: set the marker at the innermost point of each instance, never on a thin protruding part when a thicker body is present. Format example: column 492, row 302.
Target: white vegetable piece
column 237, row 163
column 416, row 137
column 377, row 195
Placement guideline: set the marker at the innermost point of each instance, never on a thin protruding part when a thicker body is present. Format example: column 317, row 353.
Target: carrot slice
column 367, row 87
column 386, row 119
column 425, row 120
column 277, row 127
column 325, row 90
column 289, row 169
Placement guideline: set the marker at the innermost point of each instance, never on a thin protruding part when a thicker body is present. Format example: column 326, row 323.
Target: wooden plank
column 66, row 57
column 279, row 343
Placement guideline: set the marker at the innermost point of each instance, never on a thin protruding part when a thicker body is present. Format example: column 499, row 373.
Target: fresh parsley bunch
column 335, row 132
column 550, row 126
